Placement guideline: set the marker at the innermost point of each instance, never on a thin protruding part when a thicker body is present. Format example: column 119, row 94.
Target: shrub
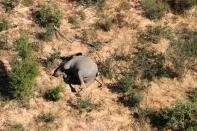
column 131, row 99
column 153, row 9
column 106, row 25
column 74, row 20
column 189, row 47
column 24, row 71
column 4, row 42
column 9, row 4
column 106, row 68
column 125, row 6
column 23, row 47
column 179, row 6
column 16, row 127
column 179, row 117
column 149, row 65
column 4, row 24
column 155, row 33
column 53, row 56
column 46, row 35
column 84, row 104
column 192, row 95
column 53, row 94
column 99, row 3
column 47, row 16
column 48, row 117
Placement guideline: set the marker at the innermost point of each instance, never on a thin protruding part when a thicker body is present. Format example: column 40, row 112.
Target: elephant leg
column 81, row 80
column 89, row 81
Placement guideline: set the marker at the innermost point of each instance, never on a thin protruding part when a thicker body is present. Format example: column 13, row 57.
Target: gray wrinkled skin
column 78, row 68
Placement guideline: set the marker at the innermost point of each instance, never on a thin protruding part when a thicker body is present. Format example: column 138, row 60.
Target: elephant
column 77, row 69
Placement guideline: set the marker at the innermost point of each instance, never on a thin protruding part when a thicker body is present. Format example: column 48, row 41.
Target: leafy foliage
column 179, row 117
column 48, row 16
column 53, row 94
column 24, row 70
column 84, row 104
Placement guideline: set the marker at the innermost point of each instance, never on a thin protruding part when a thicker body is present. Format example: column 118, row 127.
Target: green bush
column 16, row 127
column 47, row 16
column 4, row 24
column 125, row 6
column 155, row 33
column 179, row 6
column 53, row 56
column 24, row 71
column 147, row 64
column 23, row 47
column 91, row 2
column 189, row 47
column 179, row 117
column 9, row 4
column 106, row 25
column 192, row 95
column 48, row 117
column 53, row 94
column 84, row 104
column 131, row 99
column 153, row 9
column 46, row 35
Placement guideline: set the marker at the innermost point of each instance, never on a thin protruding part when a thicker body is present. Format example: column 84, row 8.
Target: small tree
column 24, row 70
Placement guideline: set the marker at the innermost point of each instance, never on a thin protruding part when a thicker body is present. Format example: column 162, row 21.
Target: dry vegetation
column 146, row 51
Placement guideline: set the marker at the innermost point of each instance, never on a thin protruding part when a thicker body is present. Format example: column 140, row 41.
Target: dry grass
column 162, row 92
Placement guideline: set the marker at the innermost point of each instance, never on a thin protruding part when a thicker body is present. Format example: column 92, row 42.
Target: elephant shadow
column 4, row 81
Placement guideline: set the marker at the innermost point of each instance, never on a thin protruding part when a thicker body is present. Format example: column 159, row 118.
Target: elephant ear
column 67, row 58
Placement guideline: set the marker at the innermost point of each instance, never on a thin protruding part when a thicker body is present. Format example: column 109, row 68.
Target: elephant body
column 78, row 69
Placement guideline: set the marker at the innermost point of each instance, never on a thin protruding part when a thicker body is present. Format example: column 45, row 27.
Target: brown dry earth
column 112, row 116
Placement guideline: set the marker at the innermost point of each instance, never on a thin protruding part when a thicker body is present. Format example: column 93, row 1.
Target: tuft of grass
column 106, row 25
column 4, row 24
column 24, row 70
column 99, row 3
column 23, row 47
column 153, row 9
column 192, row 95
column 9, row 4
column 131, row 99
column 16, row 127
column 53, row 94
column 154, row 33
column 48, row 117
column 125, row 6
column 47, row 16
column 179, row 6
column 27, row 2
column 106, row 68
column 53, row 56
column 46, row 35
column 4, row 42
column 84, row 104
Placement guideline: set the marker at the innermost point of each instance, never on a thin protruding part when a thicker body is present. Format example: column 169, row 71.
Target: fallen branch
column 61, row 34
